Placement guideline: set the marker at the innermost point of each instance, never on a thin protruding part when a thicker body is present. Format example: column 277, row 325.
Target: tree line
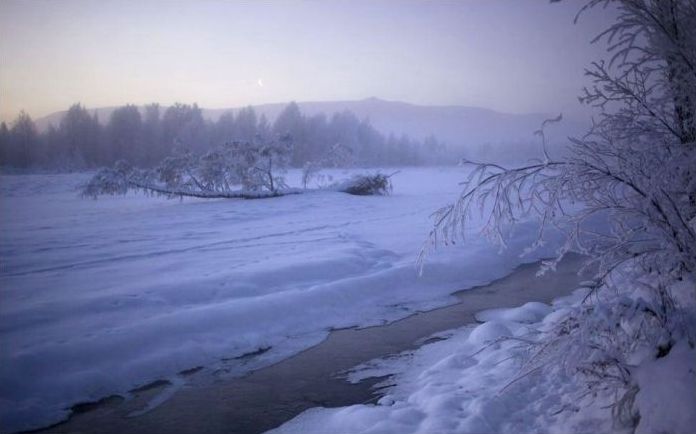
column 145, row 136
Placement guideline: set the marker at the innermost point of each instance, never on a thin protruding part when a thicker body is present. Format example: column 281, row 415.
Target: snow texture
column 528, row 313
column 100, row 297
column 477, row 379
column 467, row 383
column 666, row 399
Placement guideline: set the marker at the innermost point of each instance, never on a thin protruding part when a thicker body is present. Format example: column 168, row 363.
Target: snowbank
column 465, row 383
column 100, row 297
column 480, row 379
column 528, row 313
column 666, row 398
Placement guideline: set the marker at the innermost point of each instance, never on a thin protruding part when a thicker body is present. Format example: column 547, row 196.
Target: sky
column 514, row 56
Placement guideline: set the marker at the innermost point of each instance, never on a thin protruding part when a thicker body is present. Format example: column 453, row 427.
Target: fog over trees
column 145, row 136
column 282, row 290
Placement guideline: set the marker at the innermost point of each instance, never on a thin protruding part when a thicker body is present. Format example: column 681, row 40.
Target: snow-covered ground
column 481, row 379
column 99, row 297
column 465, row 384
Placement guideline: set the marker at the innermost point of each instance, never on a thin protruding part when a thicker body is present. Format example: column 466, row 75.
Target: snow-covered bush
column 625, row 196
column 377, row 184
column 632, row 320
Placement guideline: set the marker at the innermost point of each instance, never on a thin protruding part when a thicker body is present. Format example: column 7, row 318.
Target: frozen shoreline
column 104, row 297
column 212, row 402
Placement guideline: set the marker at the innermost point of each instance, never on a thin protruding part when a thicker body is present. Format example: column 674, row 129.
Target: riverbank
column 103, row 297
column 213, row 402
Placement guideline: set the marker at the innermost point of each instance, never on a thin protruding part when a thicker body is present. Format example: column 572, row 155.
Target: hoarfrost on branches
column 256, row 166
column 633, row 170
column 242, row 170
column 362, row 185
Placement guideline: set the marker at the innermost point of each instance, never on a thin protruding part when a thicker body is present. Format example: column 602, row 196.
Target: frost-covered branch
column 377, row 184
column 238, row 170
column 624, row 195
column 255, row 168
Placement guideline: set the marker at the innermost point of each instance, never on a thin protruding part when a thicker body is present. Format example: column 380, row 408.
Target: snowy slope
column 99, row 297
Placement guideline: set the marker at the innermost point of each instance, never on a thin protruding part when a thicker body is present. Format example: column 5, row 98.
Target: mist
column 347, row 216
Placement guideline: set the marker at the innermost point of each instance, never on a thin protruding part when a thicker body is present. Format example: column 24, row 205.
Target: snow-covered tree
column 4, row 143
column 257, row 166
column 125, row 136
column 635, row 170
column 183, row 127
column 245, row 124
column 260, row 164
column 153, row 149
column 291, row 122
column 216, row 171
column 245, row 170
column 22, row 141
column 79, row 136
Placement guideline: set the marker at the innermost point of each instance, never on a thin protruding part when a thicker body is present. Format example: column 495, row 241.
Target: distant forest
column 143, row 137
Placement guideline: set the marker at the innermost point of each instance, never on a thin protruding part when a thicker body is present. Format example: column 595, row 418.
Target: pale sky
column 508, row 55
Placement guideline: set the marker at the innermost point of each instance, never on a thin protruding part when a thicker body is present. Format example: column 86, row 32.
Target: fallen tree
column 238, row 170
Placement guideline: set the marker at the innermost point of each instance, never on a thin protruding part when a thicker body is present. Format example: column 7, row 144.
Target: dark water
column 270, row 396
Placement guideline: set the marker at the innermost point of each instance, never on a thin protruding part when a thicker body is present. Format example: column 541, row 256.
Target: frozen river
column 101, row 297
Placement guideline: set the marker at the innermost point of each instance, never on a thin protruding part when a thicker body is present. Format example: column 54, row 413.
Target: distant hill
column 458, row 126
